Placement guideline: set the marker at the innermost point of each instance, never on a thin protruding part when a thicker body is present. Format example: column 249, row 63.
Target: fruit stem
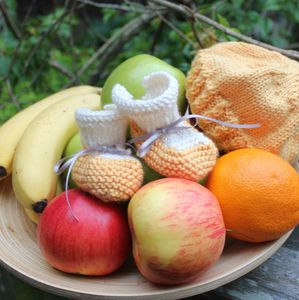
column 39, row 206
column 3, row 172
column 237, row 232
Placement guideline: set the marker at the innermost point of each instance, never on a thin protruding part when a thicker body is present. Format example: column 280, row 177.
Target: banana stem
column 3, row 172
column 39, row 206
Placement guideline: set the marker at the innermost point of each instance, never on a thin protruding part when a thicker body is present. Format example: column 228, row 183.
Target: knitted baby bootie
column 110, row 173
column 182, row 153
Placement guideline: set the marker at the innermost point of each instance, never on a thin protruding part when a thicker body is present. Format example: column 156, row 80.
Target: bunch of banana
column 33, row 141
column 13, row 129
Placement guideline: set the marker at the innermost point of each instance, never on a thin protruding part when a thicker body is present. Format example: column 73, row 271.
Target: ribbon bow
column 67, row 163
column 151, row 137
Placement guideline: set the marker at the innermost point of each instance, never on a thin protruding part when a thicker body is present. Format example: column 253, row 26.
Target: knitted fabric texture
column 157, row 108
column 108, row 176
column 243, row 83
column 105, row 127
column 185, row 153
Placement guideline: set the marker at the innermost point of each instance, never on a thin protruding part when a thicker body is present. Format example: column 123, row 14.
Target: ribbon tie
column 150, row 138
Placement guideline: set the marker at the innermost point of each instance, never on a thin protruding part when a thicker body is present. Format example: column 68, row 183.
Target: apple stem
column 237, row 232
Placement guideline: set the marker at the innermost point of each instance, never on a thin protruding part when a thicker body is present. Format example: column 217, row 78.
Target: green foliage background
column 26, row 64
column 27, row 74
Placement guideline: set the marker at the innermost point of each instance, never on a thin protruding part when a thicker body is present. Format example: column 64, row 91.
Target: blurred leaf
column 273, row 5
column 8, row 111
column 264, row 26
column 108, row 14
column 223, row 21
column 4, row 64
column 78, row 37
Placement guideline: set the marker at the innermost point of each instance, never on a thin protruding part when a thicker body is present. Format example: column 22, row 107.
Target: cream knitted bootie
column 109, row 173
column 182, row 153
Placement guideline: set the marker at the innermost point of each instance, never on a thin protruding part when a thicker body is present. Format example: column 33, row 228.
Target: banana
column 33, row 216
column 41, row 146
column 13, row 129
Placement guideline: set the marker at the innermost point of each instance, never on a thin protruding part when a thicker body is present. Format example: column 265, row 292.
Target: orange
column 258, row 193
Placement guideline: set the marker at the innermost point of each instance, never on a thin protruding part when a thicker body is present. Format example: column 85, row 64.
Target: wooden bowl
column 19, row 253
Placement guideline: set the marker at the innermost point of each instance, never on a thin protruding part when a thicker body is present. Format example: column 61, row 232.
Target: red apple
column 91, row 238
column 177, row 229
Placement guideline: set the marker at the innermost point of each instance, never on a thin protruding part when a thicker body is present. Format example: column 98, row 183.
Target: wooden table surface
column 276, row 279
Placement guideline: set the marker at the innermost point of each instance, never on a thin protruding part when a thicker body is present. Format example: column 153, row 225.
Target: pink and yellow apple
column 177, row 229
column 90, row 238
column 131, row 72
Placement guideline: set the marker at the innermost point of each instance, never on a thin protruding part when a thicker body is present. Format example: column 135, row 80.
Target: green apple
column 203, row 181
column 148, row 173
column 131, row 72
column 73, row 146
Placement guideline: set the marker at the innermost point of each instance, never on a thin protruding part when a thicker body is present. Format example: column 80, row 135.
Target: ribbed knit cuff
column 157, row 108
column 105, row 127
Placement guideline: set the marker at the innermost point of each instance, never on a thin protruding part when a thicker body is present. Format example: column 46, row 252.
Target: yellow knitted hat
column 243, row 83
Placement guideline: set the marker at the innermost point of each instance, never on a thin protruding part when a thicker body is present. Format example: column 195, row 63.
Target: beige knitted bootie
column 181, row 153
column 110, row 173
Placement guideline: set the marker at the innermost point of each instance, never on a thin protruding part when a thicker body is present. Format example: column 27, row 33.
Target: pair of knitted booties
column 168, row 144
